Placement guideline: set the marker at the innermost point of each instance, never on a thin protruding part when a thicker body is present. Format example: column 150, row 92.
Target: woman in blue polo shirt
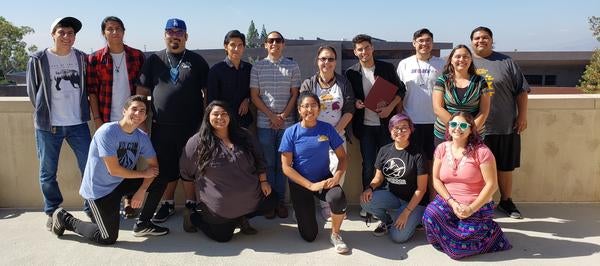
column 305, row 161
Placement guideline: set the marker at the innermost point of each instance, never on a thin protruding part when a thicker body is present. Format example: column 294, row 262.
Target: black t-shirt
column 400, row 169
column 180, row 102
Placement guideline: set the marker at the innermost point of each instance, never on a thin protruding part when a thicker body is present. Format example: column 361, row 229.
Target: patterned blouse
column 455, row 100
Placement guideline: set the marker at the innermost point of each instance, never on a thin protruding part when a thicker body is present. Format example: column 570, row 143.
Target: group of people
column 433, row 156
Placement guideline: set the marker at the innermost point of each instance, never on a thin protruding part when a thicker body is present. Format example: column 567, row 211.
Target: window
column 534, row 79
column 550, row 80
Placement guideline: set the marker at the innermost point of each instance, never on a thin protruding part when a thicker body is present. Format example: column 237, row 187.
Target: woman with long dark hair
column 225, row 161
column 460, row 89
column 459, row 221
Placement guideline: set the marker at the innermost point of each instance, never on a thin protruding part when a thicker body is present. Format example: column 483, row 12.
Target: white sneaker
column 338, row 244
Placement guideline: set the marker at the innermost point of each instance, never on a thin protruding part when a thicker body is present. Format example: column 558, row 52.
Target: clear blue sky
column 525, row 25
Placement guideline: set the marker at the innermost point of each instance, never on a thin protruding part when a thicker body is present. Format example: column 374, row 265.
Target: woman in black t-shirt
column 400, row 203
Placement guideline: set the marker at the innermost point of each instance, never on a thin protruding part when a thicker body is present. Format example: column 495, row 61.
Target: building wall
column 566, row 75
column 560, row 158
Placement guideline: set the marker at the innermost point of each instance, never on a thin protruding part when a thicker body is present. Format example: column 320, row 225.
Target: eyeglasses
column 462, row 125
column 310, row 105
column 113, row 30
column 326, row 59
column 174, row 33
column 400, row 129
column 274, row 40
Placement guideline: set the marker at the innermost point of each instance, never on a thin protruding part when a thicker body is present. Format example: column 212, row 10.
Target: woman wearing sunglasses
column 459, row 220
column 337, row 103
column 460, row 89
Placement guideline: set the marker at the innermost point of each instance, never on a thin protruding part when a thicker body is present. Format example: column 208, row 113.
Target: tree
column 13, row 52
column 590, row 80
column 263, row 34
column 252, row 39
column 595, row 26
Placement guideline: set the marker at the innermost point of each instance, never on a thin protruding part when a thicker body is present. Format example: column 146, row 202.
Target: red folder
column 382, row 93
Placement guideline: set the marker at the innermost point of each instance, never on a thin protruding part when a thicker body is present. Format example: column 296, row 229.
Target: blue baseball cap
column 175, row 23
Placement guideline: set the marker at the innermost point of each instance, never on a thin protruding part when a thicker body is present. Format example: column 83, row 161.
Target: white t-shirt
column 368, row 78
column 419, row 77
column 331, row 104
column 65, row 89
column 120, row 89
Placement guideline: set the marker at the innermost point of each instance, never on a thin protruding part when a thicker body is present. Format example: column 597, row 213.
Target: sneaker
column 507, row 206
column 326, row 213
column 245, row 226
column 128, row 212
column 363, row 213
column 282, row 211
column 49, row 223
column 382, row 229
column 59, row 221
column 338, row 244
column 270, row 214
column 188, row 226
column 164, row 212
column 148, row 229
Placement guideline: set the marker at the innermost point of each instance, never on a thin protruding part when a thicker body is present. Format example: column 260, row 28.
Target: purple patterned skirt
column 457, row 238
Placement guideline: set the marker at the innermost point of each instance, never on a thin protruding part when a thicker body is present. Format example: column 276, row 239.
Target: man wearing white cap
column 56, row 88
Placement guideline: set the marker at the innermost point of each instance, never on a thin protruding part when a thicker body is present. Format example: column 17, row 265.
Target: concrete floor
column 551, row 234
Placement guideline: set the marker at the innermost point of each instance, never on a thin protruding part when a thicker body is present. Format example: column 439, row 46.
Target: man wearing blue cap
column 56, row 88
column 175, row 78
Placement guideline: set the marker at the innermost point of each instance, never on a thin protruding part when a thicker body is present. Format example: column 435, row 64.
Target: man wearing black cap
column 176, row 78
column 56, row 88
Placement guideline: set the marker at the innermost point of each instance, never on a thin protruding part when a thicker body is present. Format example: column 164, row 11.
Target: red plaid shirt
column 99, row 77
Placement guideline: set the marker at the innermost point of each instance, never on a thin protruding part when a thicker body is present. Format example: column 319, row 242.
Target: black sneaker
column 188, row 226
column 382, row 229
column 164, row 212
column 245, row 226
column 507, row 206
column 59, row 221
column 148, row 229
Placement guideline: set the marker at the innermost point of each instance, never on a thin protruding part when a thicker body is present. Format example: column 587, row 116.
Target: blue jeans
column 269, row 141
column 385, row 205
column 372, row 139
column 48, row 145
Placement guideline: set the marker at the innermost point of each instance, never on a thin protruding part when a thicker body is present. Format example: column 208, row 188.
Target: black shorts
column 423, row 138
column 168, row 142
column 506, row 150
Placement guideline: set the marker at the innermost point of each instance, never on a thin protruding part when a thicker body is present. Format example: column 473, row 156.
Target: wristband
column 263, row 181
column 409, row 209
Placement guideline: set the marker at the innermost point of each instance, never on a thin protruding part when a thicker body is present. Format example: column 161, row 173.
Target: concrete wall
column 560, row 158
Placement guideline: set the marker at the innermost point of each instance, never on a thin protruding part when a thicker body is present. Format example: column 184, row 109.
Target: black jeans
column 304, row 207
column 106, row 213
column 221, row 229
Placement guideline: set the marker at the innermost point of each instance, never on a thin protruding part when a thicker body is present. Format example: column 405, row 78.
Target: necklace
column 174, row 70
column 454, row 162
column 420, row 71
column 326, row 82
column 118, row 67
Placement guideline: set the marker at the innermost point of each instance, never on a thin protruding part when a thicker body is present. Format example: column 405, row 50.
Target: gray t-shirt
column 229, row 186
column 506, row 81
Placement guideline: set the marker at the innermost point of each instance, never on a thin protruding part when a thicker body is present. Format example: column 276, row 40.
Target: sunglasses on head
column 461, row 125
column 274, row 40
column 326, row 59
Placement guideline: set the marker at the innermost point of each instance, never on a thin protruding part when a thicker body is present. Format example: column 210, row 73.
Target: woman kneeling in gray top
column 229, row 170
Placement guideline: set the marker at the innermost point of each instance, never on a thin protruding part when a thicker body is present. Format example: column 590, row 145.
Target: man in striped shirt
column 274, row 85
